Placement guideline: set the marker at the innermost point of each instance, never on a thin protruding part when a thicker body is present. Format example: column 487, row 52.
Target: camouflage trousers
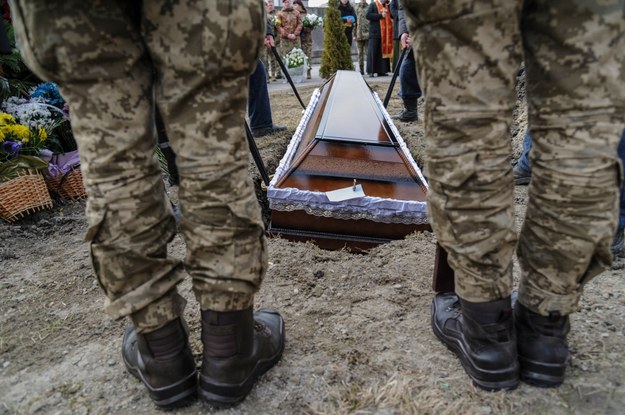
column 271, row 65
column 307, row 48
column 286, row 45
column 363, row 49
column 113, row 62
column 468, row 54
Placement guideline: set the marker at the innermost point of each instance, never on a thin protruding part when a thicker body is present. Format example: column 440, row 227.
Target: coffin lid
column 346, row 134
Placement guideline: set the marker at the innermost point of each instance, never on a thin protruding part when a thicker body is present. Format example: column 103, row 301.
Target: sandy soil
column 358, row 332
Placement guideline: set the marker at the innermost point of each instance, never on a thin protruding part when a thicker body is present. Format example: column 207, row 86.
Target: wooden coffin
column 345, row 139
column 346, row 135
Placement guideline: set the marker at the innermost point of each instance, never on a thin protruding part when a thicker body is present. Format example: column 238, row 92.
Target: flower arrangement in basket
column 22, row 187
column 312, row 20
column 46, row 109
column 295, row 62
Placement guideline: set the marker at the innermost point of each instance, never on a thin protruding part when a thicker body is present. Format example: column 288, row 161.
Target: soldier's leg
column 97, row 57
column 264, row 57
column 203, row 94
column 276, row 71
column 574, row 60
column 361, row 55
column 307, row 48
column 107, row 78
column 284, row 48
column 468, row 55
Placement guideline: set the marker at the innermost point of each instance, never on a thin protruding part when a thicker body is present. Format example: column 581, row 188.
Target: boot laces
column 262, row 329
column 454, row 309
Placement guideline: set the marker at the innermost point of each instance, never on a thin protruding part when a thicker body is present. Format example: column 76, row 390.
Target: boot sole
column 505, row 379
column 176, row 395
column 233, row 394
column 544, row 375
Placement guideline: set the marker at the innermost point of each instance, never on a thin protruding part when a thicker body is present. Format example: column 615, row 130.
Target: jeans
column 258, row 106
column 524, row 161
column 408, row 81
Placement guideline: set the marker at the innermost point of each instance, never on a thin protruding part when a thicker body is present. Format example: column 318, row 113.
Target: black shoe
column 543, row 349
column 522, row 177
column 261, row 132
column 163, row 362
column 407, row 115
column 238, row 348
column 482, row 336
column 410, row 112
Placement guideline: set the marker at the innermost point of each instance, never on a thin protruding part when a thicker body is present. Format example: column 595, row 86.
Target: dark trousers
column 258, row 106
column 408, row 81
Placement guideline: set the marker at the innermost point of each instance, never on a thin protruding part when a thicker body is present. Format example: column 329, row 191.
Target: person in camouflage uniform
column 289, row 26
column 468, row 54
column 113, row 61
column 271, row 65
column 361, row 33
column 305, row 36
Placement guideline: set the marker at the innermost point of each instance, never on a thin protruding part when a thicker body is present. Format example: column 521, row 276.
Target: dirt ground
column 358, row 332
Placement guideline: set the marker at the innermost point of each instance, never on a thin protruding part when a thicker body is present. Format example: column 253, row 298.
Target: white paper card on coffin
column 351, row 192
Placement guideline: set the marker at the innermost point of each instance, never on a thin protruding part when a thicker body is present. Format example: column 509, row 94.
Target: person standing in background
column 271, row 65
column 289, row 26
column 410, row 91
column 380, row 38
column 361, row 33
column 306, row 35
column 348, row 14
column 394, row 8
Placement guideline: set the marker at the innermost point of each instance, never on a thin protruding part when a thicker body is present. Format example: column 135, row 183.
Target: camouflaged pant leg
column 203, row 63
column 576, row 116
column 468, row 54
column 287, row 45
column 307, row 48
column 96, row 52
column 575, row 95
column 93, row 50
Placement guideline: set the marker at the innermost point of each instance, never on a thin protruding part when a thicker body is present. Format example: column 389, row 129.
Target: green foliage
column 10, row 169
column 336, row 51
column 15, row 77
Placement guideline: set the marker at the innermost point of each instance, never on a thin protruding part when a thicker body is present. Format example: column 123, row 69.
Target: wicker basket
column 68, row 185
column 23, row 196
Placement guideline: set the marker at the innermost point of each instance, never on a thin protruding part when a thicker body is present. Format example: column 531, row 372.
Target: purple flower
column 12, row 148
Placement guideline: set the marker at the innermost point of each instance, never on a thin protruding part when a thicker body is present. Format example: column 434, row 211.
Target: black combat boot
column 238, row 348
column 409, row 113
column 482, row 336
column 163, row 362
column 542, row 346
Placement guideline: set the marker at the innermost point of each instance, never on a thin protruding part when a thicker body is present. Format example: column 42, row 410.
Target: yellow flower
column 43, row 134
column 1, row 136
column 16, row 131
column 6, row 119
column 21, row 131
